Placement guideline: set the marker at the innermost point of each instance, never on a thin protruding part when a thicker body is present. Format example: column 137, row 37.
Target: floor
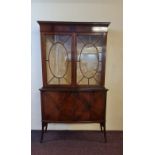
column 77, row 143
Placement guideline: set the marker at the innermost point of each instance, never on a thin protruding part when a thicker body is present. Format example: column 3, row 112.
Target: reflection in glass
column 89, row 65
column 88, row 61
column 58, row 53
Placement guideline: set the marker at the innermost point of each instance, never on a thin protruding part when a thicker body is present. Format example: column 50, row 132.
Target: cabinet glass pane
column 89, row 59
column 58, row 59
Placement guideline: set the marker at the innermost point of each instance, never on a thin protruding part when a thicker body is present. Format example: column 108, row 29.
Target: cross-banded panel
column 58, row 56
column 64, row 106
column 90, row 52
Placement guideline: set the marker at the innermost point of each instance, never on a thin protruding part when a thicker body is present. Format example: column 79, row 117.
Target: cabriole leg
column 42, row 132
column 105, row 135
column 102, row 125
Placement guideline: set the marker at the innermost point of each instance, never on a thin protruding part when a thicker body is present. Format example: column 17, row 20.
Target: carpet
column 77, row 143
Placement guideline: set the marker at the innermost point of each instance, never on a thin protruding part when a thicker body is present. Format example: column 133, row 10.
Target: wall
column 78, row 10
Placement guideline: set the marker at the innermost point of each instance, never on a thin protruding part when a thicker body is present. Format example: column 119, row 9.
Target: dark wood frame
column 73, row 29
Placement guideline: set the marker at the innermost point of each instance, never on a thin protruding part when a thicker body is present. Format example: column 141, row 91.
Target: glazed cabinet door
column 90, row 59
column 58, row 49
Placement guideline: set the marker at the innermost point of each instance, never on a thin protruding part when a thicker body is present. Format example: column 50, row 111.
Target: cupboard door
column 58, row 59
column 58, row 106
column 90, row 53
column 90, row 106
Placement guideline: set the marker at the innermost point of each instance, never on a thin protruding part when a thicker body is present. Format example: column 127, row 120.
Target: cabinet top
column 106, row 24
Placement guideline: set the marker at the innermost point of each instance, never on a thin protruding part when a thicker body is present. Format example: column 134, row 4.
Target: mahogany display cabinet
column 73, row 73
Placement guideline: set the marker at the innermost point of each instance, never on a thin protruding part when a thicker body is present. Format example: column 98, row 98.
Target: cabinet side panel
column 43, row 57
